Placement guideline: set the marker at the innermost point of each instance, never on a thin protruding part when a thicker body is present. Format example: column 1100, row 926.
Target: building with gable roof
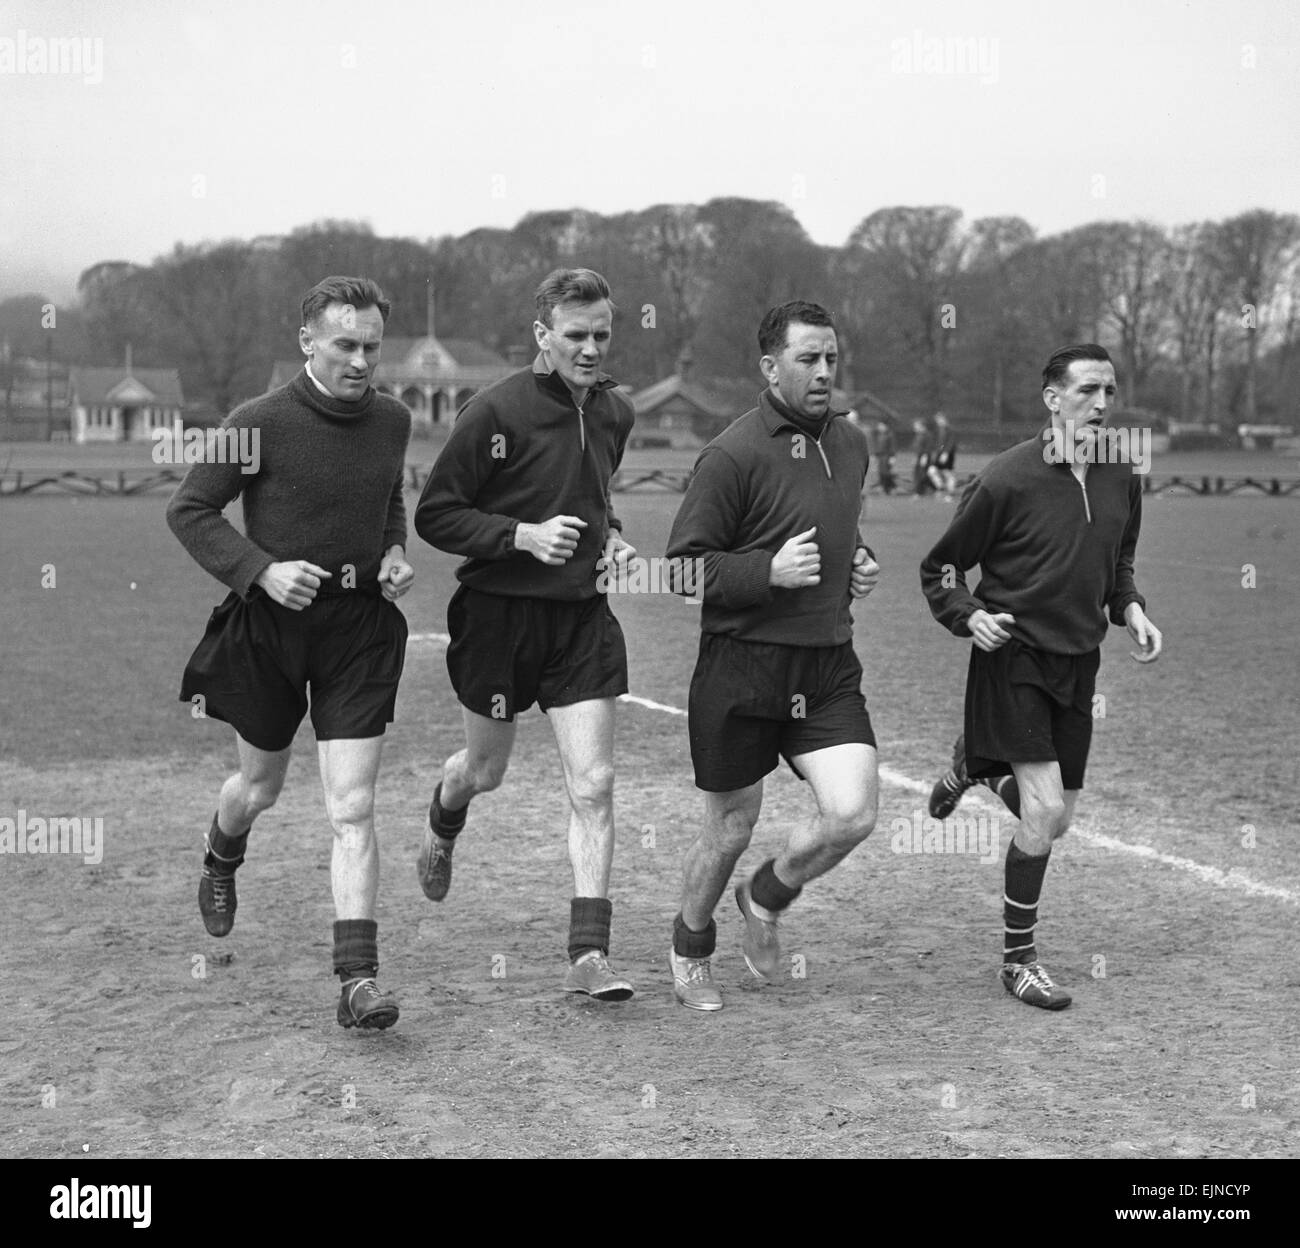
column 123, row 404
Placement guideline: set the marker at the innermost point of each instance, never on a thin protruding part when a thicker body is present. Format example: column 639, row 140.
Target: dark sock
column 589, row 919
column 450, row 822
column 688, row 943
column 768, row 890
column 224, row 853
column 1008, row 790
column 356, row 949
column 1024, row 882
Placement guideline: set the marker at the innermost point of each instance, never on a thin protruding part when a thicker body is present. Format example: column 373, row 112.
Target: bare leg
column 348, row 770
column 844, row 782
column 584, row 736
column 481, row 765
column 1046, row 808
column 253, row 788
column 729, row 820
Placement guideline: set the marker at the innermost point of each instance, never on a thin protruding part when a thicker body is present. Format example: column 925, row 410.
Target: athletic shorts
column 754, row 703
column 257, row 661
column 1027, row 706
column 507, row 653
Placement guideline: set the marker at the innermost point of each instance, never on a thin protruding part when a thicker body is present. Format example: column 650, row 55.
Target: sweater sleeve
column 445, row 516
column 706, row 526
column 612, row 522
column 395, row 519
column 195, row 515
column 943, row 570
column 395, row 522
column 1125, row 588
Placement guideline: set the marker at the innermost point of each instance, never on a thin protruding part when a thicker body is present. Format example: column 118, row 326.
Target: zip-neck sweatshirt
column 1055, row 552
column 328, row 489
column 522, row 451
column 760, row 482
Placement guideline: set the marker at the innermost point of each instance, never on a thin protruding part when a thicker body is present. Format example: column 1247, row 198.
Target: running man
column 772, row 510
column 522, row 491
column 312, row 607
column 1055, row 543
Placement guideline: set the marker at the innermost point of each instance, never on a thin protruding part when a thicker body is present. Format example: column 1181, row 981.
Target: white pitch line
column 1207, row 875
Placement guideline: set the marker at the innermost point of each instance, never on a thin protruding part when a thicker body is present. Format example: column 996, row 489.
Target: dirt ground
column 129, row 1032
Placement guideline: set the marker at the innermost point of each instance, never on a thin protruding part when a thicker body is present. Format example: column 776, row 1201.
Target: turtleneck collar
column 807, row 424
column 309, row 391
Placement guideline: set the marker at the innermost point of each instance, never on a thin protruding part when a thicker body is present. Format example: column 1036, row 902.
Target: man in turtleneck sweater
column 313, row 579
column 772, row 510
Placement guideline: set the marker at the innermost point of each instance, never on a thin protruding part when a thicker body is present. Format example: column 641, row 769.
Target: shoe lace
column 698, row 970
column 1037, row 976
column 222, row 888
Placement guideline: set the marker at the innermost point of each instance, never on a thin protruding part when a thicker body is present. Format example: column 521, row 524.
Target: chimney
column 429, row 311
column 128, row 359
column 684, row 362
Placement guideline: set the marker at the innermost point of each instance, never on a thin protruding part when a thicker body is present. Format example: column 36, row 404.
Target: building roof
column 116, row 385
column 445, row 352
column 719, row 400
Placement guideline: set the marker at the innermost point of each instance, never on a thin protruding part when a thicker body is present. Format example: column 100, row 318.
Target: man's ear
column 767, row 365
column 1051, row 399
column 304, row 340
column 539, row 332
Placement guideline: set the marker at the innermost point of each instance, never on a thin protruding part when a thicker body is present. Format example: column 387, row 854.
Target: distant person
column 922, row 449
column 521, row 489
column 772, row 510
column 886, row 447
column 313, row 585
column 943, row 459
column 1055, row 543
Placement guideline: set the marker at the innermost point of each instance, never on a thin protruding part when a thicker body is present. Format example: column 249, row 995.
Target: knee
column 1048, row 819
column 593, row 786
column 731, row 832
column 845, row 829
column 351, row 808
column 261, row 794
column 486, row 774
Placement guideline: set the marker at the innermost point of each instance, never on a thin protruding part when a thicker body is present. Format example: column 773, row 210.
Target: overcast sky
column 196, row 120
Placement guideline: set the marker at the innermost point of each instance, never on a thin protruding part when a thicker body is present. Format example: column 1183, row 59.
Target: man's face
column 1079, row 405
column 802, row 371
column 576, row 340
column 343, row 345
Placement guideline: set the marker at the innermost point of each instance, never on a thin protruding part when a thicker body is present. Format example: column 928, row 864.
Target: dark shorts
column 754, row 703
column 1027, row 706
column 258, row 659
column 507, row 653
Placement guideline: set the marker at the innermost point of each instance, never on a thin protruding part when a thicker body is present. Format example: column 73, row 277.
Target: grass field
column 1171, row 910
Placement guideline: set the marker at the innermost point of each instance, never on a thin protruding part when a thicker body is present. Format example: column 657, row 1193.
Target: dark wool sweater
column 1055, row 554
column 522, row 451
column 328, row 489
column 760, row 482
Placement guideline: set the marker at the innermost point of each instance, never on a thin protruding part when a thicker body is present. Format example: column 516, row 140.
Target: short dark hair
column 569, row 286
column 1059, row 365
column 772, row 333
column 360, row 292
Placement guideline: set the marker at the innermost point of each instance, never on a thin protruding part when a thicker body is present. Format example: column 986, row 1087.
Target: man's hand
column 865, row 574
column 292, row 584
column 396, row 576
column 797, row 563
column 552, row 542
column 1146, row 634
column 616, row 553
column 987, row 629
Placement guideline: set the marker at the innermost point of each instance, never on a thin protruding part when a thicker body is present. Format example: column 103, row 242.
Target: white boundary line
column 1207, row 875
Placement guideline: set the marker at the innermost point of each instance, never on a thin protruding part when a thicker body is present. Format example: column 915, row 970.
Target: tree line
column 933, row 311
